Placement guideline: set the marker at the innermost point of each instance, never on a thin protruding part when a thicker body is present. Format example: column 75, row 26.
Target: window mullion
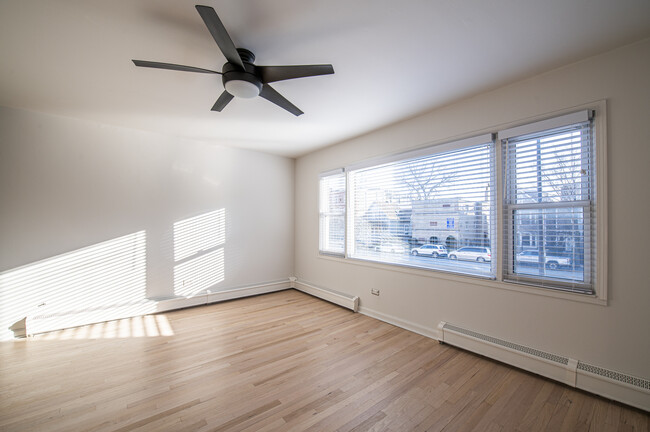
column 556, row 204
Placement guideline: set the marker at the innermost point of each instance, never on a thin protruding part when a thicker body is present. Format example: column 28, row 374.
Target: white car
column 471, row 253
column 431, row 250
column 551, row 262
column 395, row 248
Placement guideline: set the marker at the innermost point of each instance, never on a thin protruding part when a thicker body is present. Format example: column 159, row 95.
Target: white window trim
column 580, row 117
column 322, row 175
column 427, row 150
column 553, row 120
column 469, row 280
column 600, row 287
column 602, row 244
column 331, row 173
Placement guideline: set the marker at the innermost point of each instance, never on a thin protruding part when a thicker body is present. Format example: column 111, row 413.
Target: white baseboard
column 611, row 384
column 48, row 321
column 402, row 323
column 181, row 302
column 630, row 390
column 247, row 291
column 57, row 321
column 350, row 302
column 558, row 369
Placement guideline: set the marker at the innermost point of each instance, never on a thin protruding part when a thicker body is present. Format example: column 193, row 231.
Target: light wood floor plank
column 278, row 362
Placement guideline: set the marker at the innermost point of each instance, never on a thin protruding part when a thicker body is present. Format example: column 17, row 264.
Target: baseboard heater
column 614, row 385
column 347, row 301
column 58, row 320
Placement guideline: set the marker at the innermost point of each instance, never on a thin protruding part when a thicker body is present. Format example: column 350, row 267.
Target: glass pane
column 332, row 233
column 550, row 243
column 332, row 214
column 550, row 167
column 427, row 212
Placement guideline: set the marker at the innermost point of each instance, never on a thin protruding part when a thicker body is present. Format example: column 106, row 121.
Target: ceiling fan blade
column 222, row 101
column 171, row 66
column 271, row 95
column 280, row 73
column 220, row 35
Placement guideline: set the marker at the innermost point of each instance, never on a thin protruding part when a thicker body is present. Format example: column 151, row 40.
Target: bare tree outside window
column 425, row 179
column 564, row 177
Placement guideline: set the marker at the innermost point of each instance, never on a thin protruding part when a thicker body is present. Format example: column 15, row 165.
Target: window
column 549, row 214
column 332, row 213
column 439, row 207
column 444, row 194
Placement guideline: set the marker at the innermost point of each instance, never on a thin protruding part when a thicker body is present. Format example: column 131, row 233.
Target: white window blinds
column 332, row 213
column 549, row 217
column 400, row 209
column 440, row 208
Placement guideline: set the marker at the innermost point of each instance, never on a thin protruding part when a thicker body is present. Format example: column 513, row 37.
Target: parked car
column 531, row 257
column 432, row 250
column 395, row 248
column 471, row 253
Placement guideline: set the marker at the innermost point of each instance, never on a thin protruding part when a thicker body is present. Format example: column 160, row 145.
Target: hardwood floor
column 278, row 362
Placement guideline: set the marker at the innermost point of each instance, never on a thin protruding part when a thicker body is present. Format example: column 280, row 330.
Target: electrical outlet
column 374, row 291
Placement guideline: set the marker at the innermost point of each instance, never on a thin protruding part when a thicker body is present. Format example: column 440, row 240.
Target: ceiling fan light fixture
column 242, row 89
column 240, row 77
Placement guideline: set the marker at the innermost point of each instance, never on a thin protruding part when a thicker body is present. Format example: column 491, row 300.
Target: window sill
column 473, row 280
column 331, row 254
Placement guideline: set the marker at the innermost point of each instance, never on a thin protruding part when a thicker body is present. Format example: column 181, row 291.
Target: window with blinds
column 332, row 213
column 433, row 209
column 549, row 213
column 440, row 208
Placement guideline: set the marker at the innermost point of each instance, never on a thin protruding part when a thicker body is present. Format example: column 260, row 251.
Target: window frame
column 592, row 285
column 325, row 214
column 600, row 274
column 422, row 152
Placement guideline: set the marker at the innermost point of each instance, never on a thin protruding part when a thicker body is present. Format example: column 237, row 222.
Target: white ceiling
column 393, row 59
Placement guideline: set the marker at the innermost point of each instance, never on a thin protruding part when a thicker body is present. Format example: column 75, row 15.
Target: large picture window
column 433, row 210
column 549, row 212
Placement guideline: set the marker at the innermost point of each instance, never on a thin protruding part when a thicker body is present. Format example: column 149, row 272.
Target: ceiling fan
column 241, row 78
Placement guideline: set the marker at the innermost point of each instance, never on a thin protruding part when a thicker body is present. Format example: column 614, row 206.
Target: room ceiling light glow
column 242, row 89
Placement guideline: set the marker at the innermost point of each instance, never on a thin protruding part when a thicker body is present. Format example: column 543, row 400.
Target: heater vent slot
column 616, row 376
column 510, row 345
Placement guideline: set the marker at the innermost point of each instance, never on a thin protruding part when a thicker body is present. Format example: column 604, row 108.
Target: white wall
column 67, row 186
column 613, row 336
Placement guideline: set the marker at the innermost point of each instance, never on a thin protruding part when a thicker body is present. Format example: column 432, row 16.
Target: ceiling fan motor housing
column 243, row 84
